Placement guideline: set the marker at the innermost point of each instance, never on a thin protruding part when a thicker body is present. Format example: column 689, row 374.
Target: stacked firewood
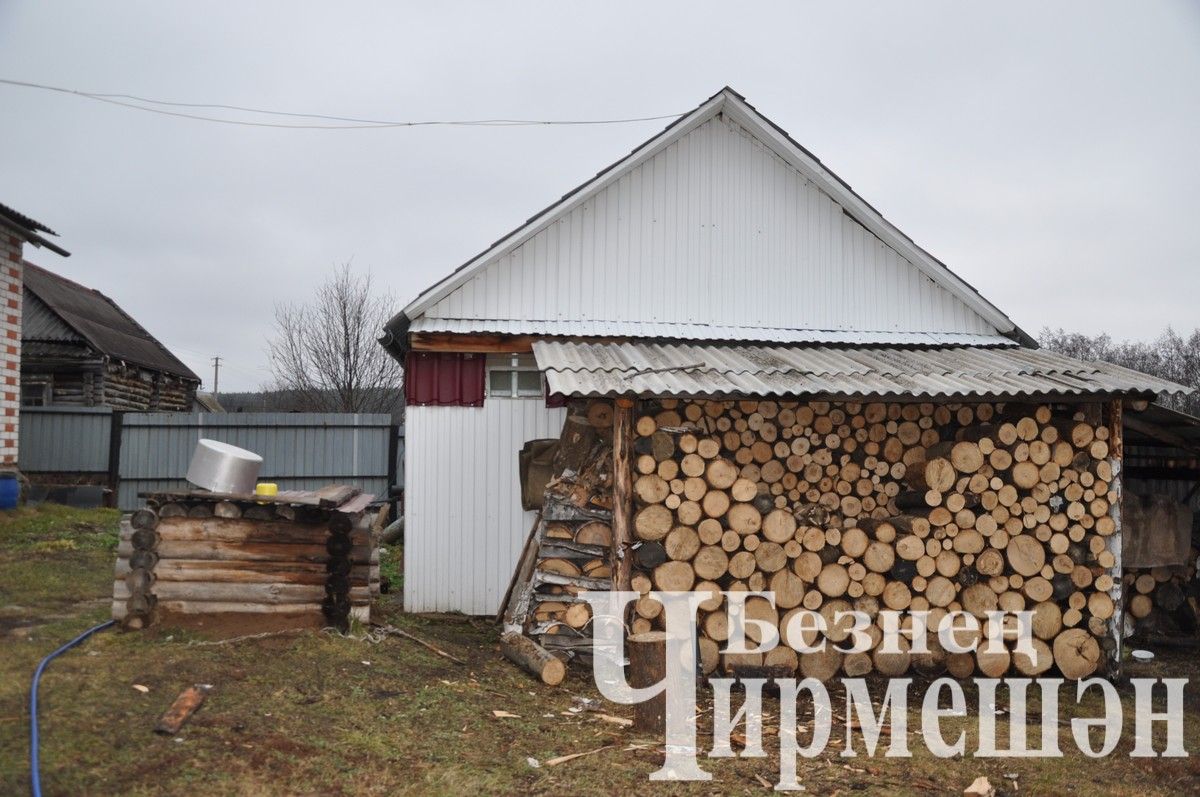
column 304, row 565
column 1159, row 601
column 870, row 506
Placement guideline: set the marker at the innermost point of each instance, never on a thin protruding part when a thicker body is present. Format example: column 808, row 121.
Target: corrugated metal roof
column 1175, row 422
column 689, row 370
column 30, row 229
column 40, row 323
column 17, row 217
column 98, row 319
column 665, row 329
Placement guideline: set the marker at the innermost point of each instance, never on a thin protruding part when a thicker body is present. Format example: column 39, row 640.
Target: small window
column 35, row 394
column 513, row 375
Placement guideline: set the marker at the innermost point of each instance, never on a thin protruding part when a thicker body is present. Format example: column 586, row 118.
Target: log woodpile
column 870, row 506
column 1160, row 601
column 199, row 555
column 571, row 548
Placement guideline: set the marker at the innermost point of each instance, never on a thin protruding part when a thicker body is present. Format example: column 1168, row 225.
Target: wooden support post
column 1116, row 454
column 1116, row 425
column 115, row 431
column 622, row 519
column 647, row 667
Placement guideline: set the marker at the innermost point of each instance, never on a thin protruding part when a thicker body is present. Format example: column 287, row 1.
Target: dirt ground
column 319, row 713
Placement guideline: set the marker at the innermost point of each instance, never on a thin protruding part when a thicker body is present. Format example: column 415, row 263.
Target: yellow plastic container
column 266, row 489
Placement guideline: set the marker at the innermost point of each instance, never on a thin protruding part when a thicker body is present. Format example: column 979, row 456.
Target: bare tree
column 1171, row 356
column 325, row 352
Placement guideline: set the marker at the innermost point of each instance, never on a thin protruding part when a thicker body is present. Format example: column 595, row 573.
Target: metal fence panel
column 299, row 450
column 64, row 439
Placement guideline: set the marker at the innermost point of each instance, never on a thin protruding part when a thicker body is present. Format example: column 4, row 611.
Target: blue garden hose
column 34, row 764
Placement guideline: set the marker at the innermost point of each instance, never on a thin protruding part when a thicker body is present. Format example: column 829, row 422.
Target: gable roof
column 100, row 322
column 855, row 231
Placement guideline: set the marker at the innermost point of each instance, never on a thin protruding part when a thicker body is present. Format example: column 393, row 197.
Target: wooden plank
column 356, row 504
column 272, row 593
column 529, row 555
column 542, row 577
column 249, row 572
column 293, row 497
column 333, row 495
column 250, row 531
column 474, row 344
column 247, row 552
column 241, row 607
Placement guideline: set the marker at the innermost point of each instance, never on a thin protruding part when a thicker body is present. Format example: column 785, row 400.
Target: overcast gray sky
column 1047, row 152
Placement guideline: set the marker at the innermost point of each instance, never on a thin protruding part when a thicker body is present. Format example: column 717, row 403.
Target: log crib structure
column 296, row 559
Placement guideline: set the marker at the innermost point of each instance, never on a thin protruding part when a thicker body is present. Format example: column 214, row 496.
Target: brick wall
column 10, row 345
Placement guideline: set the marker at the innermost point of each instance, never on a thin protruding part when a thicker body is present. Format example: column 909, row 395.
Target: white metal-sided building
column 718, row 258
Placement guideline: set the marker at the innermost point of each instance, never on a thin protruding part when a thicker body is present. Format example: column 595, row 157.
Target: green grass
column 391, row 566
column 50, row 528
column 317, row 713
column 55, row 562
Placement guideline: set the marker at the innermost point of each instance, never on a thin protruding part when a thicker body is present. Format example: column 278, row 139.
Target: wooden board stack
column 303, row 565
column 867, row 506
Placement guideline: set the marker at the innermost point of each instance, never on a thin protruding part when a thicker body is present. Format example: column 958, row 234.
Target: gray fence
column 65, row 439
column 139, row 452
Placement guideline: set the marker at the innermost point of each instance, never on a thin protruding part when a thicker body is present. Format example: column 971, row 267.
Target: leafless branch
column 325, row 352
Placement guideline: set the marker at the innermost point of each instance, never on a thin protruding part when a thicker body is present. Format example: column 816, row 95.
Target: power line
column 225, row 363
column 350, row 122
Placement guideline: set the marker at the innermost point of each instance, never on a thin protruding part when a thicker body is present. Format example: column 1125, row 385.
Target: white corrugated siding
column 715, row 229
column 463, row 523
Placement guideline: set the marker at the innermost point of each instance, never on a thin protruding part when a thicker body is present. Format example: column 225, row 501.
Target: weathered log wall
column 99, row 383
column 209, row 558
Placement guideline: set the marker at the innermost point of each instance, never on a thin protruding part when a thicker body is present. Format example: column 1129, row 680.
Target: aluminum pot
column 223, row 468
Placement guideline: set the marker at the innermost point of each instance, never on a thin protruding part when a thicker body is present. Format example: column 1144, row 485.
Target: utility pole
column 216, row 361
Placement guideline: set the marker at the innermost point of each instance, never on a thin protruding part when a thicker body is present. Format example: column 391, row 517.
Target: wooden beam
column 490, row 343
column 1160, row 434
column 622, row 511
column 473, row 344
column 1182, row 474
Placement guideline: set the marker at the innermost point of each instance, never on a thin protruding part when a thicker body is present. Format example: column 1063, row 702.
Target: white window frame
column 502, row 381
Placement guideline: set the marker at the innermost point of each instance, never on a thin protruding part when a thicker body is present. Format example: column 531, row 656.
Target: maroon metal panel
column 555, row 399
column 444, row 379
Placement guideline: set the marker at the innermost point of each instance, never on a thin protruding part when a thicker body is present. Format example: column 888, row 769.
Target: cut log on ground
column 533, row 658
